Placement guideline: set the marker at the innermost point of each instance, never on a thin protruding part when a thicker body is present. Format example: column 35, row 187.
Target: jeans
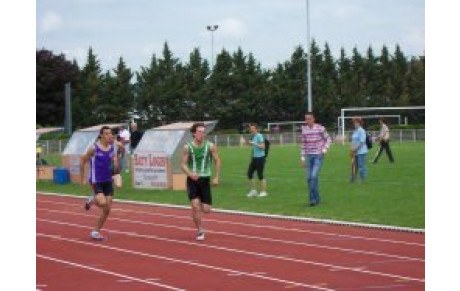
column 360, row 162
column 314, row 163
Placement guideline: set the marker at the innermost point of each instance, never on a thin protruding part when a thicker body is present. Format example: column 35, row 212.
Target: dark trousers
column 384, row 145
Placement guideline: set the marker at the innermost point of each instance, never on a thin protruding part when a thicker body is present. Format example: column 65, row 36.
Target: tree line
column 237, row 90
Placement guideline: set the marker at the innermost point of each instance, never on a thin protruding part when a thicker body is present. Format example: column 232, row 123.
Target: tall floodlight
column 309, row 102
column 68, row 110
column 212, row 28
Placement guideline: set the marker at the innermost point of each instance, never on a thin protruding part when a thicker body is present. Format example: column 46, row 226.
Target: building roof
column 184, row 125
column 48, row 130
column 99, row 126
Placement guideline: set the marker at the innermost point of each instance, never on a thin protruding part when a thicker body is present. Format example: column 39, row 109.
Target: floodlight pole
column 212, row 28
column 68, row 110
column 309, row 98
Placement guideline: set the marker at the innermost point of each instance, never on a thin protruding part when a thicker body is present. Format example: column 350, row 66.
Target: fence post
column 60, row 146
column 400, row 136
column 281, row 139
column 47, row 147
column 228, row 140
column 215, row 140
column 414, row 134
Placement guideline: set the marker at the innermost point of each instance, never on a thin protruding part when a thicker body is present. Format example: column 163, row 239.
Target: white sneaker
column 263, row 194
column 252, row 193
column 200, row 235
column 95, row 235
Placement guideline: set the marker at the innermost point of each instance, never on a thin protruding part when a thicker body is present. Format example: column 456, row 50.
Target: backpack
column 267, row 146
column 368, row 140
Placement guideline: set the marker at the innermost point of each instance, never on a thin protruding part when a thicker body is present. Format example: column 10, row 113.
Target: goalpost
column 343, row 111
column 373, row 116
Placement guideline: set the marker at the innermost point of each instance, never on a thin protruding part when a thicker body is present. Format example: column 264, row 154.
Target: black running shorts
column 200, row 189
column 103, row 187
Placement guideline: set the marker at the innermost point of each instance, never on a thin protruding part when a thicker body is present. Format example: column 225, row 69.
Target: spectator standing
column 358, row 150
column 124, row 135
column 315, row 143
column 135, row 138
column 257, row 163
column 384, row 140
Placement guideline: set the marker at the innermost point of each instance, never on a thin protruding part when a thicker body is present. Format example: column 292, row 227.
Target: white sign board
column 150, row 170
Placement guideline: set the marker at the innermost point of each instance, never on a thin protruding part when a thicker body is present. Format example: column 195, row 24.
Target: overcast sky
column 270, row 29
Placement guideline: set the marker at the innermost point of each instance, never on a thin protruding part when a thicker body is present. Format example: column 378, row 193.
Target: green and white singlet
column 199, row 159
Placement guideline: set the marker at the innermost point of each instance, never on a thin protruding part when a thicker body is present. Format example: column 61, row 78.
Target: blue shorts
column 103, row 187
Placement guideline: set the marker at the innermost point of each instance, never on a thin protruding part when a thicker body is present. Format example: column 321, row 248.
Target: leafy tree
column 147, row 92
column 236, row 91
column 121, row 96
column 196, row 90
column 53, row 72
column 326, row 95
column 88, row 93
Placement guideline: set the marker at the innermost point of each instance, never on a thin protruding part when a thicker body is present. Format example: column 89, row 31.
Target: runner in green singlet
column 196, row 163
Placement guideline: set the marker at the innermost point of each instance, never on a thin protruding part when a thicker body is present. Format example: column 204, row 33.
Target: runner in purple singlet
column 100, row 157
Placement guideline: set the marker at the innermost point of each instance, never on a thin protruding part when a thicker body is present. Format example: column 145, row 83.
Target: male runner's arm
column 84, row 159
column 216, row 158
column 193, row 176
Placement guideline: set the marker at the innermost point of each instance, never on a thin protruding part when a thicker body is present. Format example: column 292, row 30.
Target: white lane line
column 263, row 215
column 347, row 250
column 182, row 262
column 189, row 243
column 105, row 271
column 272, row 227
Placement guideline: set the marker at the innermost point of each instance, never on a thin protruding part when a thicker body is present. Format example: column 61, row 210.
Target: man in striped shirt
column 315, row 143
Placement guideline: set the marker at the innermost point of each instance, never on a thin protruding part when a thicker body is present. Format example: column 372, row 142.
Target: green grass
column 394, row 194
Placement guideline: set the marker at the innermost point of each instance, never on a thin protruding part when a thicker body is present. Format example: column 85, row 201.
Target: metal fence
column 52, row 146
column 397, row 135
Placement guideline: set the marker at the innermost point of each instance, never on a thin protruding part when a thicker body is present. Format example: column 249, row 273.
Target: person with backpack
column 258, row 157
column 314, row 145
column 358, row 150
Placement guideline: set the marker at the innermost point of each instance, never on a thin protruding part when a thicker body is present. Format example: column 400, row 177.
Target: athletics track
column 152, row 247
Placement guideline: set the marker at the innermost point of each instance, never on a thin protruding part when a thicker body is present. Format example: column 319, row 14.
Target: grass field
column 394, row 194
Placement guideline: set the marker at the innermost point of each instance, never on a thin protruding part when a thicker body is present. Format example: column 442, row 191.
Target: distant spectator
column 240, row 128
column 384, row 139
column 358, row 149
column 136, row 136
column 124, row 138
column 257, row 162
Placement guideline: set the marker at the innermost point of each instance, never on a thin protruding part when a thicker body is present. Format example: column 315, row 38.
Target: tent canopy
column 82, row 139
column 171, row 140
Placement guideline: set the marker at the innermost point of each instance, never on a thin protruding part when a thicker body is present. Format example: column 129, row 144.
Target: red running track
column 154, row 248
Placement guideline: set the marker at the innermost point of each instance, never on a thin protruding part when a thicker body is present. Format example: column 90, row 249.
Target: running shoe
column 252, row 193
column 200, row 235
column 263, row 194
column 95, row 235
column 88, row 203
